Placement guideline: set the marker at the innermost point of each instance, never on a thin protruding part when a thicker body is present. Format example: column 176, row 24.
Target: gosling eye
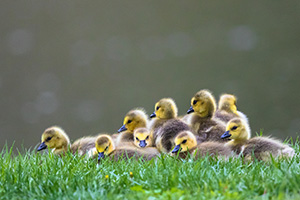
column 194, row 102
column 48, row 139
column 129, row 121
column 202, row 102
column 147, row 137
column 233, row 128
column 106, row 148
column 183, row 142
column 157, row 107
column 137, row 138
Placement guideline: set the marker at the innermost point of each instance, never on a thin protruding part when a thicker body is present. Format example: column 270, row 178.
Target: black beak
column 176, row 149
column 42, row 146
column 153, row 115
column 190, row 110
column 100, row 155
column 143, row 143
column 226, row 135
column 123, row 128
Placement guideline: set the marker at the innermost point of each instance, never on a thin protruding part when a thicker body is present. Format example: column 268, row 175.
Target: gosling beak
column 100, row 155
column 226, row 135
column 143, row 143
column 176, row 149
column 191, row 109
column 123, row 128
column 153, row 115
column 42, row 146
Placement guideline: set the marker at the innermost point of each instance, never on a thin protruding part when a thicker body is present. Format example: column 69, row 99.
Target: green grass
column 31, row 175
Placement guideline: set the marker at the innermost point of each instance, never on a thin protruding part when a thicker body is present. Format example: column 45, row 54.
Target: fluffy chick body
column 167, row 133
column 164, row 110
column 227, row 109
column 166, row 125
column 260, row 148
column 186, row 145
column 203, row 107
column 106, row 147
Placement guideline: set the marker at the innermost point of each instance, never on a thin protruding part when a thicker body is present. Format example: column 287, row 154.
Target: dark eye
column 184, row 141
column 147, row 137
column 202, row 102
column 129, row 121
column 233, row 128
column 106, row 148
column 48, row 139
column 194, row 102
column 157, row 107
column 137, row 139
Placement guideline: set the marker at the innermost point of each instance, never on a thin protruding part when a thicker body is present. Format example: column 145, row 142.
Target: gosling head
column 104, row 146
column 227, row 103
column 165, row 109
column 237, row 129
column 54, row 138
column 184, row 141
column 134, row 119
column 142, row 137
column 203, row 103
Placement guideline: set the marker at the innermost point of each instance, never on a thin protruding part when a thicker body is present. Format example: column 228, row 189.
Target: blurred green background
column 83, row 65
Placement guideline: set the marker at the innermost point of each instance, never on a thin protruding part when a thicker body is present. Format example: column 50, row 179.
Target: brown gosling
column 203, row 107
column 186, row 145
column 260, row 148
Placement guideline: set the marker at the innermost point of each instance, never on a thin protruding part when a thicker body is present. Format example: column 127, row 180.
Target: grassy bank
column 31, row 175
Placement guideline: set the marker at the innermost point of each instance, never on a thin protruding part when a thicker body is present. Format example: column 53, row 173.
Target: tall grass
column 31, row 175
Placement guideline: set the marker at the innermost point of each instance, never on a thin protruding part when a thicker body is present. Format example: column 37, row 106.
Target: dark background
column 83, row 65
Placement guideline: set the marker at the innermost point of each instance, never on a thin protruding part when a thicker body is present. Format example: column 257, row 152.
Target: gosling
column 106, row 148
column 166, row 125
column 186, row 145
column 227, row 109
column 56, row 139
column 136, row 118
column 260, row 148
column 203, row 107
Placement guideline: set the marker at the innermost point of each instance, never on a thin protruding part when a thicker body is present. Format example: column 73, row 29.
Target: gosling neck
column 61, row 150
column 240, row 141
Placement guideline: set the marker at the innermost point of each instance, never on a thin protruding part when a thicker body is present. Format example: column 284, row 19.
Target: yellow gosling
column 143, row 138
column 203, row 107
column 136, row 118
column 164, row 110
column 166, row 125
column 227, row 109
column 260, row 148
column 186, row 144
column 56, row 139
column 106, row 148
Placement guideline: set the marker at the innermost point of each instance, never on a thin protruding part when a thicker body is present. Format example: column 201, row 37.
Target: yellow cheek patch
column 178, row 141
column 192, row 101
column 125, row 120
column 101, row 148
